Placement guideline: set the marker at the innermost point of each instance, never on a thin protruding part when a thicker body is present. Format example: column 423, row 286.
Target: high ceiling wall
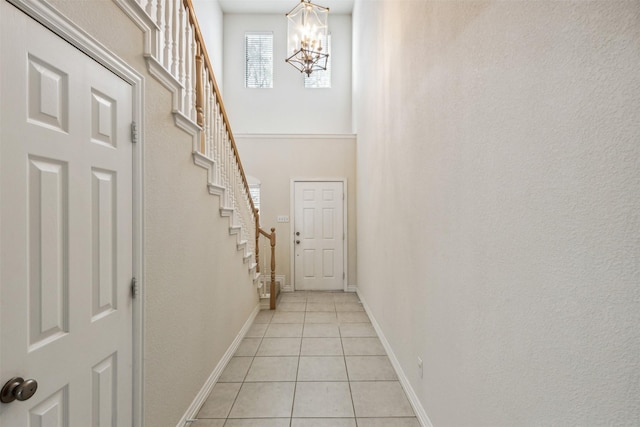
column 498, row 170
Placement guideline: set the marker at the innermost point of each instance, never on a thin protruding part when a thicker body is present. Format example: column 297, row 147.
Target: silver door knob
column 18, row 389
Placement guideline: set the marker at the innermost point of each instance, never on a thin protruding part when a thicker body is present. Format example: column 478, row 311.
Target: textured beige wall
column 498, row 200
column 198, row 293
column 275, row 160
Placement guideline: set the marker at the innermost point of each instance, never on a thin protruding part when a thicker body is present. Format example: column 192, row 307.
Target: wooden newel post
column 200, row 96
column 257, row 216
column 272, row 290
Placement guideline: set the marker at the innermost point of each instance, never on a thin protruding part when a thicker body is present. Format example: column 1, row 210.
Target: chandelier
column 307, row 31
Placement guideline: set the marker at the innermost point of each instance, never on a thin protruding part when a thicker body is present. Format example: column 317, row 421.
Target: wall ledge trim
column 295, row 136
column 204, row 392
column 421, row 414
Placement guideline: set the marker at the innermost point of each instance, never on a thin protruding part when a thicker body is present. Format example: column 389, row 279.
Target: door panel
column 319, row 218
column 65, row 230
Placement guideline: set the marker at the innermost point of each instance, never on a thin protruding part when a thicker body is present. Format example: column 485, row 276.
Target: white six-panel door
column 65, row 231
column 319, row 235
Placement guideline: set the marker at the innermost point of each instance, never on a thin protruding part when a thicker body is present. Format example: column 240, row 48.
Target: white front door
column 319, row 235
column 65, row 231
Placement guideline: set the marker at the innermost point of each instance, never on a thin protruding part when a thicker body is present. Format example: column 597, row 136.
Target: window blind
column 254, row 189
column 258, row 60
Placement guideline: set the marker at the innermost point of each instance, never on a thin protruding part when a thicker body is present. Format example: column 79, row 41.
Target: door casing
column 345, row 281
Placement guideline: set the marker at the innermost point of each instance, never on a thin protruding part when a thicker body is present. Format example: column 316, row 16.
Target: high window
column 258, row 72
column 254, row 189
column 321, row 79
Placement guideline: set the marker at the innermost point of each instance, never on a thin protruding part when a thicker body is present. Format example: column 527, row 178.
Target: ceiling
column 281, row 6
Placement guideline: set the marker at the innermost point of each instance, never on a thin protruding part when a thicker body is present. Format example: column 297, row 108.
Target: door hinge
column 135, row 289
column 134, row 132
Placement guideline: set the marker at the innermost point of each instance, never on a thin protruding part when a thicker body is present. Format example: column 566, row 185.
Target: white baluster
column 227, row 166
column 205, row 88
column 168, row 34
column 233, row 179
column 226, row 169
column 224, row 149
column 189, row 67
column 160, row 23
column 176, row 33
column 224, row 165
column 212, row 120
column 236, row 181
column 218, row 152
column 182, row 57
column 207, row 117
column 214, row 127
column 223, row 152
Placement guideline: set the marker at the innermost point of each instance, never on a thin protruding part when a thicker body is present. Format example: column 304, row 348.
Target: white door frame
column 345, row 228
column 53, row 20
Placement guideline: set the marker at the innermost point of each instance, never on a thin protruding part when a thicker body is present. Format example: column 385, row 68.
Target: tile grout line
column 295, row 384
column 299, row 355
column 245, row 377
column 346, row 367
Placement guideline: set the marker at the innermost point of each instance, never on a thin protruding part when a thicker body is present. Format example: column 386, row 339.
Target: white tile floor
column 316, row 361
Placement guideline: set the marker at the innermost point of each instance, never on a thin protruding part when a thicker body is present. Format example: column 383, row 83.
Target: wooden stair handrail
column 202, row 52
column 202, row 60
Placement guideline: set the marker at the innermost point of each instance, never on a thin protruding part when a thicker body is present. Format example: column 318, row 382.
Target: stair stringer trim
column 235, row 229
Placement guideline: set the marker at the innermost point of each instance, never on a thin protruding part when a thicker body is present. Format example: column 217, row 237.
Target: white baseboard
column 287, row 288
column 198, row 401
column 423, row 419
column 352, row 288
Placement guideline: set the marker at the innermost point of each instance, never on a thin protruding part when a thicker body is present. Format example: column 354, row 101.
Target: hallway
column 315, row 361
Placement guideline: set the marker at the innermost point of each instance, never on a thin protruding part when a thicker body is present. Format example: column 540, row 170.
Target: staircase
column 177, row 57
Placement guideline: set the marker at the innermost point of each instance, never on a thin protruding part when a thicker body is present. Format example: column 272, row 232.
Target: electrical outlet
column 283, row 218
column 420, row 366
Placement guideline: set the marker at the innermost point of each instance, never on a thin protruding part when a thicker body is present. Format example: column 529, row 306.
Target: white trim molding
column 421, row 414
column 294, row 136
column 203, row 394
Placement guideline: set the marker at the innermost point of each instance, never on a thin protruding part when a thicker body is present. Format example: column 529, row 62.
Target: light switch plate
column 283, row 218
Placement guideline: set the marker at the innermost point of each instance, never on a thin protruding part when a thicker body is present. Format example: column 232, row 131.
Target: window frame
column 248, row 84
